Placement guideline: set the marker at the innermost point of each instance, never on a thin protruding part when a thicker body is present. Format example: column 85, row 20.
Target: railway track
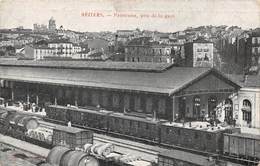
column 135, row 144
column 147, row 152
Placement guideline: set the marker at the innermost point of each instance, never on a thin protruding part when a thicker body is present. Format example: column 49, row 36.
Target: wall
column 253, row 95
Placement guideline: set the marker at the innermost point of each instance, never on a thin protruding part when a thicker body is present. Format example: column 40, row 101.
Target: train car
column 42, row 135
column 63, row 156
column 194, row 135
column 71, row 137
column 94, row 118
column 16, row 124
column 56, row 112
column 146, row 128
column 97, row 119
column 242, row 145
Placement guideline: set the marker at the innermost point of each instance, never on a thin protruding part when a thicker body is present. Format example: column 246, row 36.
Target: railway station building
column 147, row 89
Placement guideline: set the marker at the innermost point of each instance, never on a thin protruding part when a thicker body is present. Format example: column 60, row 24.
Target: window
column 246, row 109
column 246, row 116
column 254, row 40
column 199, row 59
column 196, row 105
column 199, row 50
column 133, row 59
column 160, row 51
column 206, row 58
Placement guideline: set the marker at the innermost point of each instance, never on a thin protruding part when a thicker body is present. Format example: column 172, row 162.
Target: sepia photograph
column 129, row 82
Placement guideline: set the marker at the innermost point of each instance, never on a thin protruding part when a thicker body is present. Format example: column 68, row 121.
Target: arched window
column 247, row 109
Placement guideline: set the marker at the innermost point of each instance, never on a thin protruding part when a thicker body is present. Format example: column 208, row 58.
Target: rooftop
column 143, row 77
column 140, row 66
column 252, row 81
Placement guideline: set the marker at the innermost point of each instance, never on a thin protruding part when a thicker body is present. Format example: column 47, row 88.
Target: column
column 12, row 94
column 76, row 97
column 55, row 100
column 37, row 94
column 12, row 90
column 174, row 108
column 27, row 94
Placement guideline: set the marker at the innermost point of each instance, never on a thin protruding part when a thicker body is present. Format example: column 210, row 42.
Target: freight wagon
column 242, row 145
column 71, row 137
column 34, row 130
column 147, row 129
column 195, row 135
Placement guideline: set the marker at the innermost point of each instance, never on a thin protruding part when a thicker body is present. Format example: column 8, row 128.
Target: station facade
column 160, row 90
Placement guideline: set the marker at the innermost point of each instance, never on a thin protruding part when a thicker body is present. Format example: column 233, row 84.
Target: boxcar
column 97, row 119
column 71, row 137
column 242, row 145
column 134, row 126
column 209, row 139
column 56, row 112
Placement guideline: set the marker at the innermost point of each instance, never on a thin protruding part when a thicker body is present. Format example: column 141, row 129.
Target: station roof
column 145, row 77
column 93, row 65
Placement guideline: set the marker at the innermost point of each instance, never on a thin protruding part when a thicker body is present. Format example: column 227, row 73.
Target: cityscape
column 129, row 97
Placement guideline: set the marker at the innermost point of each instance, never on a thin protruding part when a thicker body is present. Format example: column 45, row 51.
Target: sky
column 111, row 15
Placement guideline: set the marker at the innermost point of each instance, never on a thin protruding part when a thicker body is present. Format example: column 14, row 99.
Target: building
column 63, row 48
column 52, row 25
column 247, row 101
column 254, row 49
column 98, row 44
column 38, row 52
column 172, row 92
column 40, row 28
column 199, row 53
column 144, row 50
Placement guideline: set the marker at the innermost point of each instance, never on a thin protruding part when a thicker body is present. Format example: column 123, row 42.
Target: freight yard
column 144, row 124
column 103, row 149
